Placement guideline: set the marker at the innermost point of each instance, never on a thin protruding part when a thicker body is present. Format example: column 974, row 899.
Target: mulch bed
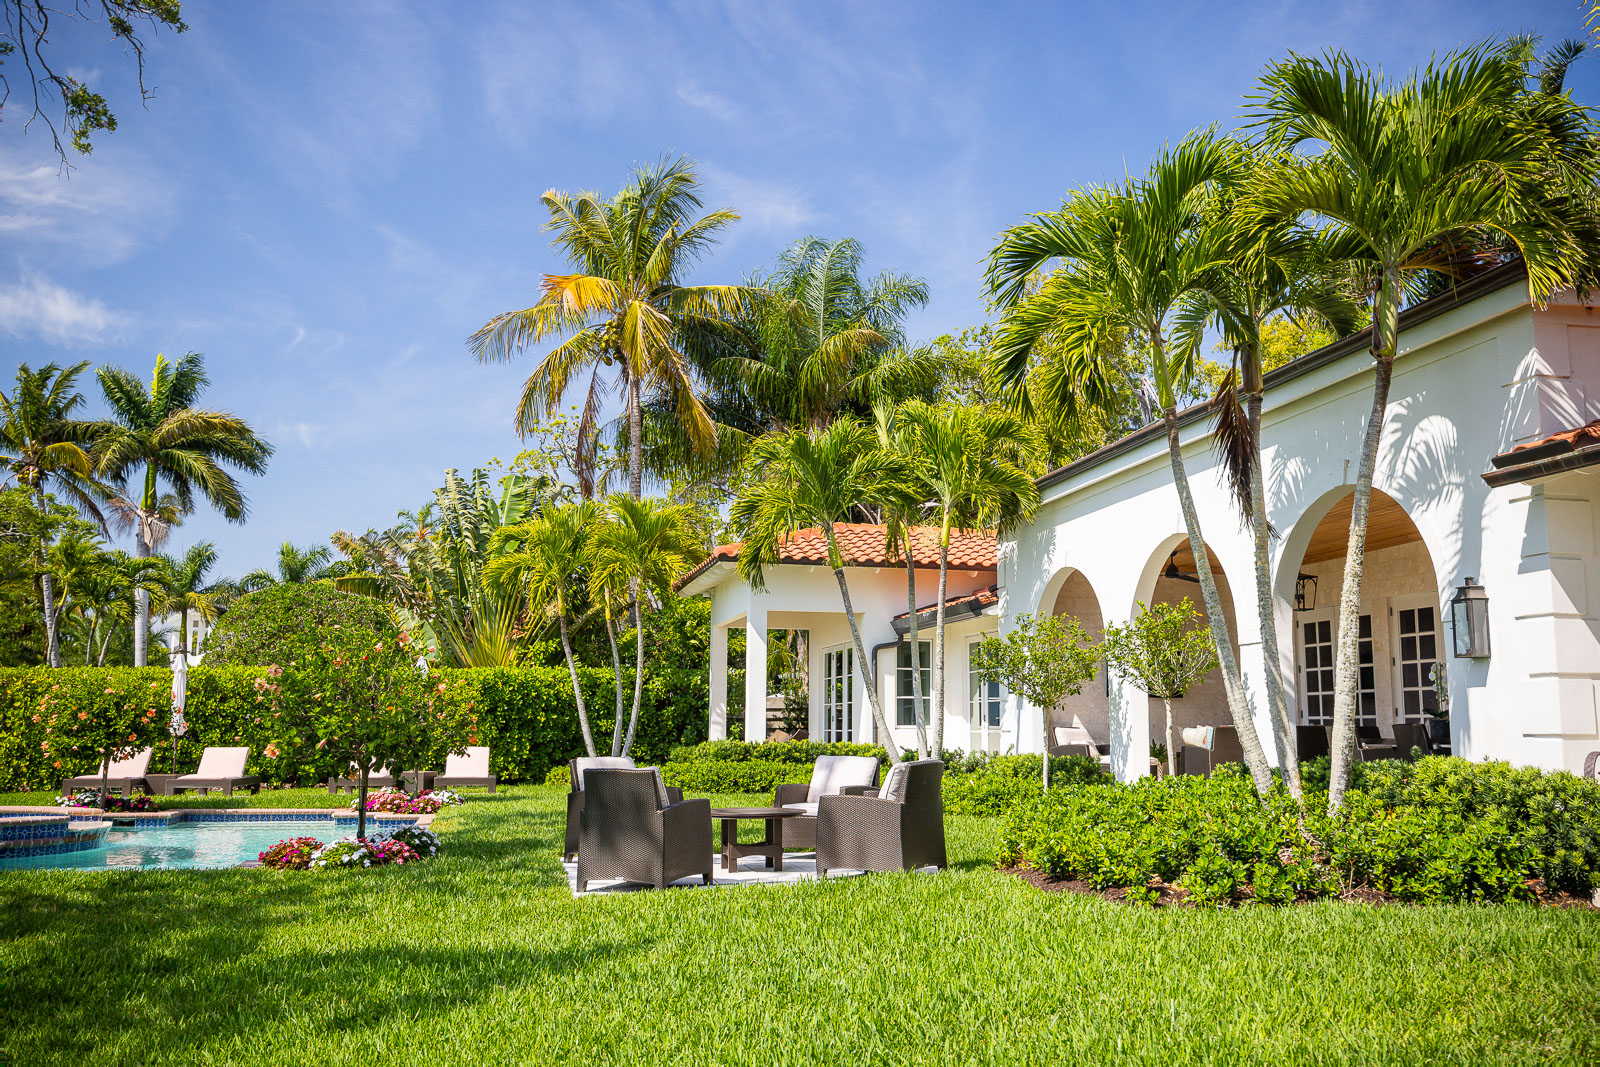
column 1171, row 896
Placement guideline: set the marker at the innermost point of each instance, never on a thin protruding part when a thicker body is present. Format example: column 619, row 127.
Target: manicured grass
column 482, row 956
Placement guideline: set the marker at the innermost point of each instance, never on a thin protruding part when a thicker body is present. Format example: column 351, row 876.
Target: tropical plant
column 901, row 509
column 1408, row 177
column 1130, row 256
column 105, row 596
column 624, row 309
column 1042, row 659
column 187, row 590
column 158, row 437
column 1165, row 653
column 811, row 478
column 295, row 565
column 43, row 446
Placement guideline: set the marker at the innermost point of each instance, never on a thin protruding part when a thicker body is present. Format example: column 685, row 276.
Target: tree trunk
column 616, row 680
column 361, row 801
column 938, row 644
column 1255, row 758
column 920, row 713
column 1346, row 668
column 867, row 666
column 47, row 590
column 635, row 440
column 105, row 779
column 1283, row 724
column 1172, row 753
column 141, row 600
column 638, row 675
column 577, row 690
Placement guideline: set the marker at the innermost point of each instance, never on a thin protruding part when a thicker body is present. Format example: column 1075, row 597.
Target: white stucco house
column 1489, row 471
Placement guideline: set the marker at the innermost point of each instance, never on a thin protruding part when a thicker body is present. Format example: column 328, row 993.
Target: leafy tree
column 803, row 478
column 157, row 435
column 1407, row 176
column 1042, row 659
column 285, row 622
column 21, row 623
column 25, row 33
column 187, row 589
column 105, row 603
column 310, row 564
column 127, row 715
column 624, row 309
column 1165, row 653
column 1130, row 257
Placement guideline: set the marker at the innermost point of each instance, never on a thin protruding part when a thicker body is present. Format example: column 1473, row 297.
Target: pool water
column 187, row 845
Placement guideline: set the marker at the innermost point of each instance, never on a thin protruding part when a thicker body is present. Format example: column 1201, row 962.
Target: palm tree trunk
column 938, row 642
column 577, row 690
column 616, row 678
column 1346, row 666
column 916, row 652
column 1277, row 696
column 638, row 675
column 867, row 666
column 47, row 590
column 1172, row 755
column 141, row 602
column 1255, row 758
column 635, row 440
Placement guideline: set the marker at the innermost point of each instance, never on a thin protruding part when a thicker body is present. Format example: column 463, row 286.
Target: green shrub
column 772, row 751
column 284, row 622
column 999, row 784
column 733, row 776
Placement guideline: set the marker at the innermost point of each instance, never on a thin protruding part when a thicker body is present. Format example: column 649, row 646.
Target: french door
column 838, row 678
column 1416, row 650
column 984, row 708
column 1318, row 641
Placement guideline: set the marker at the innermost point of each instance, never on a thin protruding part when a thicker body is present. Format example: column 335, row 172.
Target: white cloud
column 762, row 205
column 34, row 307
column 712, row 103
column 99, row 213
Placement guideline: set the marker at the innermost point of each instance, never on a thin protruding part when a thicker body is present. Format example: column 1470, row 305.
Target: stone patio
column 797, row 867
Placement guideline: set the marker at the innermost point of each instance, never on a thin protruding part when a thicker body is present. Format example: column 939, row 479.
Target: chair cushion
column 132, row 767
column 894, row 784
column 1073, row 735
column 591, row 763
column 833, row 773
column 807, row 806
column 661, row 788
column 473, row 763
column 222, row 763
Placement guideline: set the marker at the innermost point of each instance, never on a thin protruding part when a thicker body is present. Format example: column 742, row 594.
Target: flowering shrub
column 399, row 802
column 92, row 798
column 295, row 854
column 423, row 842
column 346, row 853
column 393, row 850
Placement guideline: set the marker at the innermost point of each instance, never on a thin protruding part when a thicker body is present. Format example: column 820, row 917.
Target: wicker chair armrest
column 674, row 795
column 859, row 791
column 860, row 810
column 685, row 809
column 790, row 793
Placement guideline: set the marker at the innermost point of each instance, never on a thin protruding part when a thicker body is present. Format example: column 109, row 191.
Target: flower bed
column 399, row 802
column 93, row 798
column 404, row 845
column 292, row 855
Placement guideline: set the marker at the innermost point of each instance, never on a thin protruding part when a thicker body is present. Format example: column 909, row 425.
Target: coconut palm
column 812, row 478
column 158, row 438
column 1129, row 257
column 296, row 566
column 544, row 558
column 187, row 590
column 901, row 510
column 974, row 481
column 643, row 545
column 1408, row 175
column 44, row 447
column 623, row 311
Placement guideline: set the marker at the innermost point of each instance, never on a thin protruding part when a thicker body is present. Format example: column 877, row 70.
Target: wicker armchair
column 627, row 830
column 829, row 775
column 576, row 769
column 902, row 828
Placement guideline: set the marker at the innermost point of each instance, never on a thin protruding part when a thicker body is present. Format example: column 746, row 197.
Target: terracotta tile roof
column 865, row 545
column 1553, row 445
column 983, row 598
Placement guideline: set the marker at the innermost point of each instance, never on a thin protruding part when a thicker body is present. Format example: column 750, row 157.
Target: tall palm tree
column 901, row 510
column 624, row 309
column 804, row 478
column 974, row 482
column 45, row 448
column 296, row 566
column 1408, row 175
column 109, row 591
column 187, row 589
column 1268, row 269
column 158, row 438
column 545, row 556
column 643, row 545
column 1129, row 255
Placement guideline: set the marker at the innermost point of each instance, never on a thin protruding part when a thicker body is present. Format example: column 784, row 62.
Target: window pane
column 1424, row 618
column 1323, row 632
column 1408, row 621
column 1426, row 647
column 1412, row 704
column 1327, row 681
column 1408, row 675
column 1408, row 648
column 1364, row 626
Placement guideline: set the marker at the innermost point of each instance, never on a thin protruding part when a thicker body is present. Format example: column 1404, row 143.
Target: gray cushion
column 832, row 773
column 661, row 788
column 809, row 807
column 594, row 763
column 895, row 782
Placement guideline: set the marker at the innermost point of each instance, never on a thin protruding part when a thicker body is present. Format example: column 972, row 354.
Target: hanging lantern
column 1469, row 620
column 1305, row 592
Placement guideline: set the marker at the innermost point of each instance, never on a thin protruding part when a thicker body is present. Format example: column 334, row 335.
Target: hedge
column 526, row 717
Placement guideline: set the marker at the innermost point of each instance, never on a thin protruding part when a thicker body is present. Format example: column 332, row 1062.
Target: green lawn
column 481, row 956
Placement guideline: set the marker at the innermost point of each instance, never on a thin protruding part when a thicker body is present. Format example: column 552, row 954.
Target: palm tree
column 644, row 545
column 43, row 446
column 900, row 514
column 545, row 557
column 296, row 566
column 187, row 590
column 975, row 482
column 110, row 591
column 623, row 310
column 811, row 478
column 158, row 436
column 1269, row 270
column 1130, row 256
column 1406, row 177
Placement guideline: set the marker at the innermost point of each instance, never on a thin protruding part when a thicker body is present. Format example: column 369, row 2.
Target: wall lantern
column 1305, row 592
column 1469, row 620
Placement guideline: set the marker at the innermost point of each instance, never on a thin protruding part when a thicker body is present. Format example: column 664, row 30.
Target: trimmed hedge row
column 526, row 717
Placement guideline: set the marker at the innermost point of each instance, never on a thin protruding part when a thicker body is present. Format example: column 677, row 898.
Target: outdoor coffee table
column 770, row 847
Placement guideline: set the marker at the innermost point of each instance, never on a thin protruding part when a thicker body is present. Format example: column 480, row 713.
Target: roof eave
column 1577, row 459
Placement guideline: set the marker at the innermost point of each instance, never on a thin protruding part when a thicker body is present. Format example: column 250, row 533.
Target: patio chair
column 1198, row 759
column 900, row 829
column 1311, row 742
column 576, row 769
column 220, row 768
column 1411, row 735
column 124, row 775
column 628, row 830
column 381, row 778
column 469, row 768
column 830, row 776
column 1077, row 741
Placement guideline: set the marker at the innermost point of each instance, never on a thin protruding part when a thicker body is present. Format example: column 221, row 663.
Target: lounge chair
column 902, row 828
column 628, row 830
column 381, row 778
column 576, row 769
column 830, row 776
column 220, row 768
column 125, row 775
column 469, row 768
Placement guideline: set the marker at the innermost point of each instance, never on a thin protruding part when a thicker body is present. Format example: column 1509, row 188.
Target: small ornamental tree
column 1043, row 659
column 114, row 721
column 360, row 698
column 1166, row 650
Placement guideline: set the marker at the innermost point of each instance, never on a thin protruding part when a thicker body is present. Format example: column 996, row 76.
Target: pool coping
column 21, row 814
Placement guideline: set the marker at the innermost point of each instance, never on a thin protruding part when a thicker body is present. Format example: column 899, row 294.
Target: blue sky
column 326, row 199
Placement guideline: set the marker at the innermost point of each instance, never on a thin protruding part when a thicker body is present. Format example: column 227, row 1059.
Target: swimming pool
column 196, row 843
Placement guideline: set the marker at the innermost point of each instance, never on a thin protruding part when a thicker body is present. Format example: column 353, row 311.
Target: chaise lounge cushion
column 220, row 763
column 832, row 773
column 132, row 767
column 473, row 763
column 590, row 763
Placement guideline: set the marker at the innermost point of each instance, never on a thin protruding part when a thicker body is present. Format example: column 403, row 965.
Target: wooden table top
column 754, row 813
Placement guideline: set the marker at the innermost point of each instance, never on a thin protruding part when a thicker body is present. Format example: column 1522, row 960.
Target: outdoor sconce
column 1305, row 592
column 1469, row 620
